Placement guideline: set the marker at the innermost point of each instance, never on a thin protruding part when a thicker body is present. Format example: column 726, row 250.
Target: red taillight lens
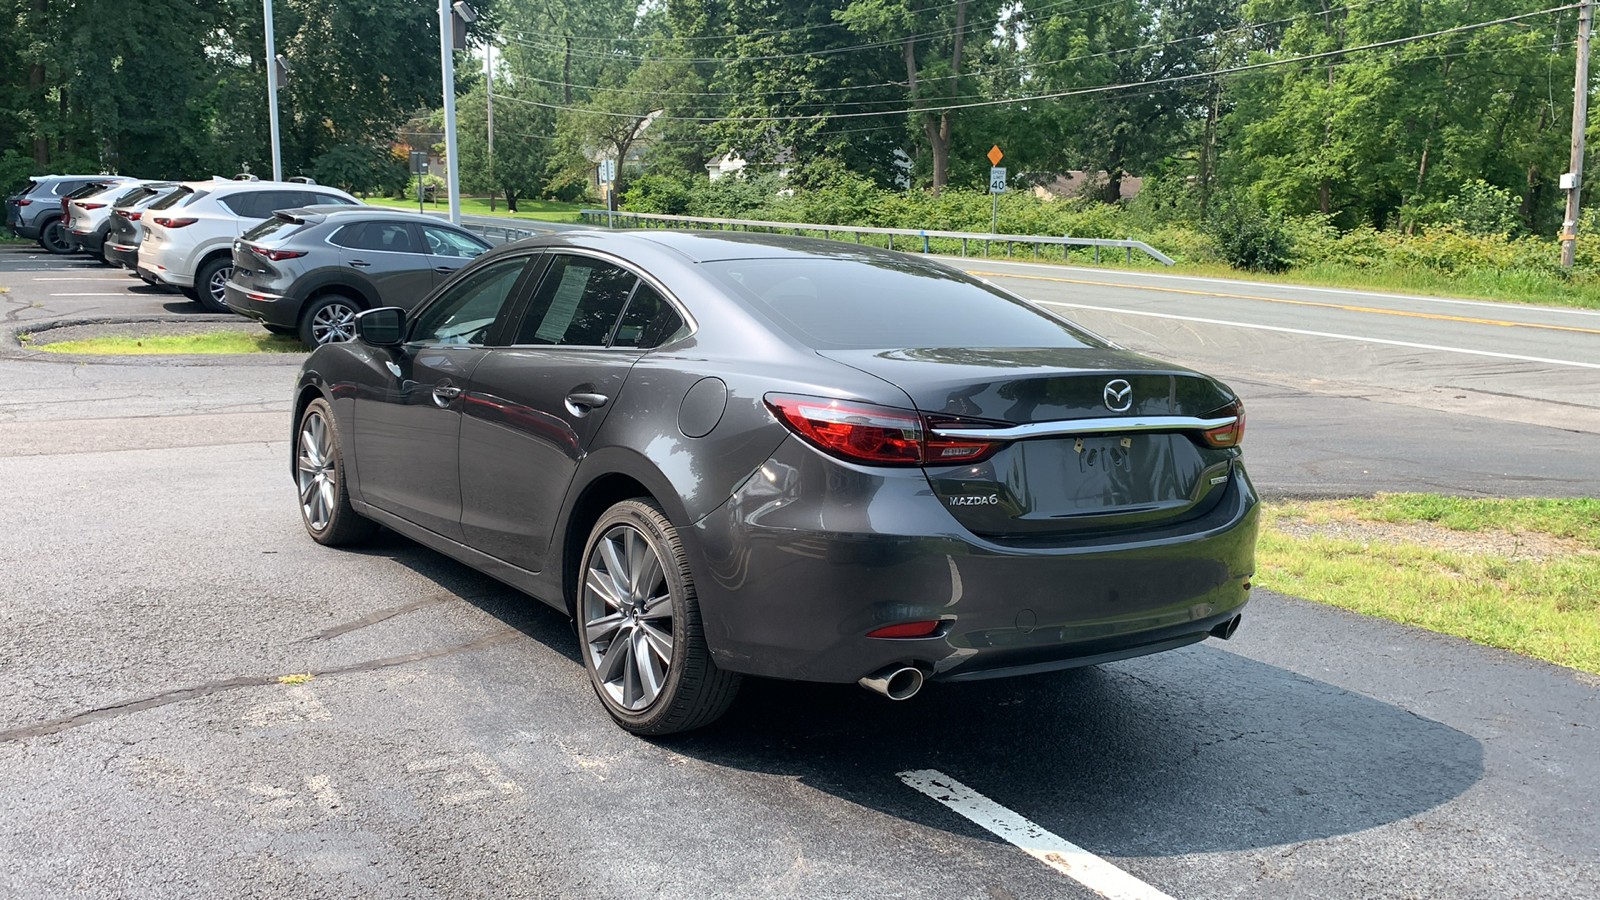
column 275, row 255
column 129, row 214
column 1227, row 435
column 24, row 202
column 880, row 435
column 855, row 431
column 173, row 222
column 905, row 630
column 83, row 205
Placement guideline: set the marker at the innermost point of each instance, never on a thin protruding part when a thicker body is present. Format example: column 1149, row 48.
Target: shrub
column 1250, row 238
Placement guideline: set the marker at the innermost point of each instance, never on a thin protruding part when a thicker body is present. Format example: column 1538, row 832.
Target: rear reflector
column 905, row 630
column 877, row 435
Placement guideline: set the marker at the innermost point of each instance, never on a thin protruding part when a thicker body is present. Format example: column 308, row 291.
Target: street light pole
column 1580, row 117
column 488, row 91
column 448, row 70
column 272, row 93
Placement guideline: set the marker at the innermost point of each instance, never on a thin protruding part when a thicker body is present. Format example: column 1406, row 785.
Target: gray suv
column 308, row 271
column 35, row 212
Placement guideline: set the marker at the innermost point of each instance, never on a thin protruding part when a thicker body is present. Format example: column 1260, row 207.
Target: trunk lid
column 1112, row 440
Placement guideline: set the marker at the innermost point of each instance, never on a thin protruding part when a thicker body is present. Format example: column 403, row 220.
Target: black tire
column 279, row 329
column 325, row 508
column 55, row 238
column 189, row 292
column 208, row 284
column 693, row 692
column 329, row 319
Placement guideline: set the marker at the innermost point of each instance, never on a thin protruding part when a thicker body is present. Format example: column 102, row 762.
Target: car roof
column 228, row 186
column 366, row 211
column 713, row 246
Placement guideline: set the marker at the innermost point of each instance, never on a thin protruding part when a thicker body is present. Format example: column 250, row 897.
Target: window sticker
column 564, row 305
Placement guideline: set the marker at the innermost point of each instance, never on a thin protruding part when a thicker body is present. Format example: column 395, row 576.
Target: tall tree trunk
column 41, row 143
column 1208, row 144
column 566, row 75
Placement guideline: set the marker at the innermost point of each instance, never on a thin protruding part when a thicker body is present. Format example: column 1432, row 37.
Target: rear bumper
column 91, row 241
column 811, row 554
column 272, row 309
column 124, row 255
column 27, row 232
column 158, row 275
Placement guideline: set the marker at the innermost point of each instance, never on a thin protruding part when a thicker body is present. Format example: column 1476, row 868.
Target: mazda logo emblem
column 1118, row 395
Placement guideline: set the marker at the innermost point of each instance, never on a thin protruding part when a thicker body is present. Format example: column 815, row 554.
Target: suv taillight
column 275, row 255
column 173, row 222
column 876, row 435
column 129, row 214
column 24, row 202
column 83, row 205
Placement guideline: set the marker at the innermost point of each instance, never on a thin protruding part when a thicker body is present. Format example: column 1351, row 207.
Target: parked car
column 189, row 234
column 89, row 216
column 727, row 454
column 35, row 213
column 126, row 230
column 309, row 271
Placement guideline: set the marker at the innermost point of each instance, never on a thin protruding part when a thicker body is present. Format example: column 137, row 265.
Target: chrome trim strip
column 1088, row 426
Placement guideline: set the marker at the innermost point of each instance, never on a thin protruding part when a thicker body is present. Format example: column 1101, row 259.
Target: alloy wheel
column 627, row 618
column 332, row 323
column 218, row 286
column 316, row 474
column 55, row 238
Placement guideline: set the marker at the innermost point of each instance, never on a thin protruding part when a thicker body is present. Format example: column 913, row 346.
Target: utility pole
column 1573, row 179
column 488, row 90
column 272, row 93
column 448, row 74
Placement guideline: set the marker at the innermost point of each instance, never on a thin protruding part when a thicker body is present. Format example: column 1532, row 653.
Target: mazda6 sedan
column 728, row 454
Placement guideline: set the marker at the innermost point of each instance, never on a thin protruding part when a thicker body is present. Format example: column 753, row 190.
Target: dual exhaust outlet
column 902, row 682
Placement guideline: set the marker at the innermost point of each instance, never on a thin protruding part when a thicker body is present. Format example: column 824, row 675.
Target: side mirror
column 381, row 327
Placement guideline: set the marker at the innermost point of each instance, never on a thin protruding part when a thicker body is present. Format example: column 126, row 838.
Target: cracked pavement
column 158, row 586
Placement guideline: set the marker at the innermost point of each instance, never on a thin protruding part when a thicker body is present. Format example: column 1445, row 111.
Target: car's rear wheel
column 55, row 238
column 329, row 319
column 325, row 507
column 639, row 621
column 211, row 284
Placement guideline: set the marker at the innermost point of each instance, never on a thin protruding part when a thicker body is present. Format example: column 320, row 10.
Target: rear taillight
column 275, row 255
column 1227, row 435
column 878, row 435
column 83, row 205
column 24, row 202
column 128, row 214
column 173, row 222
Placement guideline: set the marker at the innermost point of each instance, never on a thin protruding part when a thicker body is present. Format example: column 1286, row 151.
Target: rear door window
column 444, row 242
column 649, row 322
column 314, row 198
column 246, row 205
column 578, row 301
column 389, row 237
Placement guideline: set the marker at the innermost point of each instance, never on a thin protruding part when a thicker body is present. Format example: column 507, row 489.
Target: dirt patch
column 1509, row 544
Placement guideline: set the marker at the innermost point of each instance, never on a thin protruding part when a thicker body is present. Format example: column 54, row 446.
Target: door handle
column 360, row 263
column 581, row 403
column 443, row 394
column 446, row 270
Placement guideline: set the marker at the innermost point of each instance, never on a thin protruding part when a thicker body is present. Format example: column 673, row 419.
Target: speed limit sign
column 997, row 180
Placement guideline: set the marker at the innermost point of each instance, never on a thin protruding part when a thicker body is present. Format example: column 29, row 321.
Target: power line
column 1056, row 95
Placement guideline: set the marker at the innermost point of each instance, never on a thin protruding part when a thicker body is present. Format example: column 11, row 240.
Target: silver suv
column 189, row 234
column 35, row 212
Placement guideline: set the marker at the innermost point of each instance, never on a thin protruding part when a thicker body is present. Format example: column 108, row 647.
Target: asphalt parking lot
column 158, row 584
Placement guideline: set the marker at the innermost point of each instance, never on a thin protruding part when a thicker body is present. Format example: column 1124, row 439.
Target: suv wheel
column 211, row 282
column 55, row 238
column 639, row 626
column 329, row 319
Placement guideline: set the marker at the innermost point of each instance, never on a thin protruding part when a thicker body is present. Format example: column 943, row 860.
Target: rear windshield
column 137, row 195
column 855, row 304
column 277, row 228
column 181, row 197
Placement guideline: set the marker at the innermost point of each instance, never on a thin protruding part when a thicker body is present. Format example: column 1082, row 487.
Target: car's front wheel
column 211, row 284
column 55, row 238
column 639, row 622
column 329, row 319
column 319, row 475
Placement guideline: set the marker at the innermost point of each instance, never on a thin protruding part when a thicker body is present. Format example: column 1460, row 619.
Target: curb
column 11, row 347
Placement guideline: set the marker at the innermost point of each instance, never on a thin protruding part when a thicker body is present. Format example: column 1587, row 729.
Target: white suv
column 188, row 235
column 89, row 218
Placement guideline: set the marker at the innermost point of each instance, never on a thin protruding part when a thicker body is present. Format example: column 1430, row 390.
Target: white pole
column 447, row 66
column 272, row 93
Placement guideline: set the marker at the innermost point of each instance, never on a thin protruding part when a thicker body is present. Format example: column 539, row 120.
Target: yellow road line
column 1348, row 308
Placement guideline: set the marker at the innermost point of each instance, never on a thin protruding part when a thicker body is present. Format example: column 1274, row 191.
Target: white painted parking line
column 1056, row 852
column 1325, row 334
column 117, row 294
column 108, row 277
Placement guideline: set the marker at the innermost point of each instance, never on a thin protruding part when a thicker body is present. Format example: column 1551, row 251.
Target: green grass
column 546, row 210
column 222, row 341
column 1545, row 607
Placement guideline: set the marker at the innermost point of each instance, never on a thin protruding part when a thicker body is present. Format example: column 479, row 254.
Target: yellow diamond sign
column 994, row 155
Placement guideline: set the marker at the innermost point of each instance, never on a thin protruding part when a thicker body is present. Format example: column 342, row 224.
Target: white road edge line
column 117, row 294
column 1056, row 852
column 1263, row 285
column 1324, row 334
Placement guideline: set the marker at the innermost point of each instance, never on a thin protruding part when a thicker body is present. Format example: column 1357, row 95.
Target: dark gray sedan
column 308, row 271
column 731, row 454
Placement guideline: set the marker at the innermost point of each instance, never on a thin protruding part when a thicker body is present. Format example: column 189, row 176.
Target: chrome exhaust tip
column 1225, row 630
column 897, row 682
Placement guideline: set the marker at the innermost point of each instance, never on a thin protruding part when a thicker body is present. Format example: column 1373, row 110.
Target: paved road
column 157, row 582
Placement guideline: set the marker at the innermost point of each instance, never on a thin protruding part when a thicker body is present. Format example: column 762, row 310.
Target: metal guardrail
column 647, row 220
column 499, row 234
